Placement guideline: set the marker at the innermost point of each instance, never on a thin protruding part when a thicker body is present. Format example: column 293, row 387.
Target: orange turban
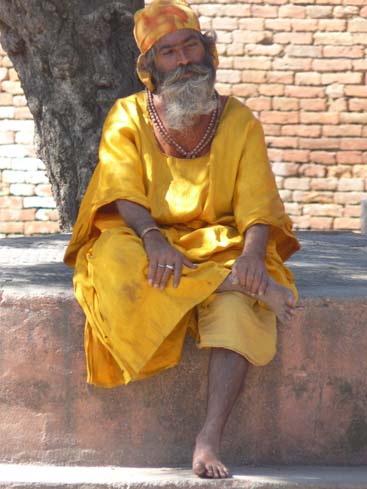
column 156, row 20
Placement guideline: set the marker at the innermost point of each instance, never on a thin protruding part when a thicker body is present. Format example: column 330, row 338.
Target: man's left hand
column 249, row 272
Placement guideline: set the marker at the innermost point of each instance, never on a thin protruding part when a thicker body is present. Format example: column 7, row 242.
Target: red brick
column 330, row 210
column 41, row 227
column 285, row 103
column 228, row 76
column 355, row 90
column 263, row 49
column 17, row 214
column 11, row 202
column 12, row 87
column 352, row 211
column 346, row 223
column 272, row 129
column 337, row 105
column 360, row 171
column 285, row 169
column 6, row 99
column 321, row 222
column 349, row 77
column 324, row 157
column 359, row 64
column 357, row 104
column 313, row 104
column 301, row 130
column 333, row 38
column 318, row 197
column 304, row 91
column 343, row 52
column 319, row 118
column 11, row 227
column 284, row 77
column 249, row 37
column 349, row 197
column 244, row 89
column 225, row 23
column 293, row 38
column 353, row 143
column 292, row 12
column 342, row 130
column 351, row 184
column 271, row 90
column 293, row 209
column 312, row 170
column 319, row 143
column 349, row 157
column 329, row 183
column 346, row 11
column 357, row 25
column 252, row 24
column 301, row 222
column 297, row 183
column 13, row 75
column 363, row 12
column 283, row 25
column 340, row 171
column 318, row 12
column 304, row 25
column 224, row 88
column 236, row 10
column 251, row 76
column 7, row 137
column 251, row 63
column 332, row 25
column 282, row 142
column 353, row 118
column 310, row 78
column 292, row 64
column 265, row 11
column 273, row 117
column 43, row 190
column 259, row 103
column 19, row 101
column 298, row 155
column 304, row 51
column 331, row 65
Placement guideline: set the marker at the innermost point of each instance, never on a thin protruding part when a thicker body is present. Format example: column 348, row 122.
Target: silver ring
column 162, row 266
column 171, row 267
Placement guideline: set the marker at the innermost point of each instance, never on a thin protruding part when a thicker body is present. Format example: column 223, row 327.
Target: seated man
column 182, row 228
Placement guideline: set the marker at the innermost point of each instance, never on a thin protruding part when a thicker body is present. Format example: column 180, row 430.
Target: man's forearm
column 256, row 240
column 136, row 216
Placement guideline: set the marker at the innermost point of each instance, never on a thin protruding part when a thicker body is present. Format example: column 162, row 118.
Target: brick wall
column 26, row 203
column 300, row 66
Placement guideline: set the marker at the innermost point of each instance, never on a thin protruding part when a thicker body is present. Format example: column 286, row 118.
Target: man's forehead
column 174, row 38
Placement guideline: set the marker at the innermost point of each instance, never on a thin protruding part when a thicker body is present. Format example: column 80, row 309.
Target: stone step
column 276, row 477
column 307, row 407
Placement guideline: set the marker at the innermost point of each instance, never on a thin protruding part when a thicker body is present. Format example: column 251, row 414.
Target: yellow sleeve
column 256, row 197
column 118, row 175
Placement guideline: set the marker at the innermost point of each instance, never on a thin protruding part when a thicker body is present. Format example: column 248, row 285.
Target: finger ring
column 171, row 267
column 162, row 266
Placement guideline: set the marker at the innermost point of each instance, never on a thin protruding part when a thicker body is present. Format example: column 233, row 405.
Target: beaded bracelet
column 147, row 230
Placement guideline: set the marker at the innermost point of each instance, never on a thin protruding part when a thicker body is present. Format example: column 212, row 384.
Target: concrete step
column 307, row 407
column 276, row 477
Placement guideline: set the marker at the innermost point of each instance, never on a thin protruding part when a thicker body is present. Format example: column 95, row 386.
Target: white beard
column 186, row 99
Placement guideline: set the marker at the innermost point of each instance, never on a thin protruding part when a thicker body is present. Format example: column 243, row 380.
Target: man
column 182, row 228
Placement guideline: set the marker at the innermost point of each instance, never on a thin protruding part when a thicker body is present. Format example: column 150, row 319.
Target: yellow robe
column 203, row 206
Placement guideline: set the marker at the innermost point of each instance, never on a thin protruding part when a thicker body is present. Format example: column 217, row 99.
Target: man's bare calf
column 279, row 298
column 227, row 372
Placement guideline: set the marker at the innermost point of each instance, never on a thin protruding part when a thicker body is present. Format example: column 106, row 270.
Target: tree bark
column 74, row 58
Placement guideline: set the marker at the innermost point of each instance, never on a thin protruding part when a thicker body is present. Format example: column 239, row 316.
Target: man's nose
column 182, row 58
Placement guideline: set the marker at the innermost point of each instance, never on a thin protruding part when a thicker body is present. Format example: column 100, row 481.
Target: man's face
column 179, row 48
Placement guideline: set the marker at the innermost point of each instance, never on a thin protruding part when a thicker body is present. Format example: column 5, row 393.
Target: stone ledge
column 308, row 406
column 47, row 477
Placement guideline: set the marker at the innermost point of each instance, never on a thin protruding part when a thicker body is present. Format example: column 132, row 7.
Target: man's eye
column 166, row 53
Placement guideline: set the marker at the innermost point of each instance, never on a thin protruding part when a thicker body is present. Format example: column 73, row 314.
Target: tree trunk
column 74, row 58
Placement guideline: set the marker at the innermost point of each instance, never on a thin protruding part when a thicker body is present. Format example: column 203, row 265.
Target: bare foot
column 279, row 298
column 205, row 462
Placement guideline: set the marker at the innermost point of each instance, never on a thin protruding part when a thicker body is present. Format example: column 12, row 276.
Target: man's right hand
column 164, row 260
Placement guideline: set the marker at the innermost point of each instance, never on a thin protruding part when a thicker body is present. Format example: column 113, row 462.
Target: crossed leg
column 226, row 375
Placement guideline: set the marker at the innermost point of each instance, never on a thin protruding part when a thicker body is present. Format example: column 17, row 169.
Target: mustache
column 199, row 69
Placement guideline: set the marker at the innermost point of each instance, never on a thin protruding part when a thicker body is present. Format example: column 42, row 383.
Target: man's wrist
column 149, row 229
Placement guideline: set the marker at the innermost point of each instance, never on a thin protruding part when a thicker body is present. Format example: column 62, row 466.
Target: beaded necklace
column 204, row 141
